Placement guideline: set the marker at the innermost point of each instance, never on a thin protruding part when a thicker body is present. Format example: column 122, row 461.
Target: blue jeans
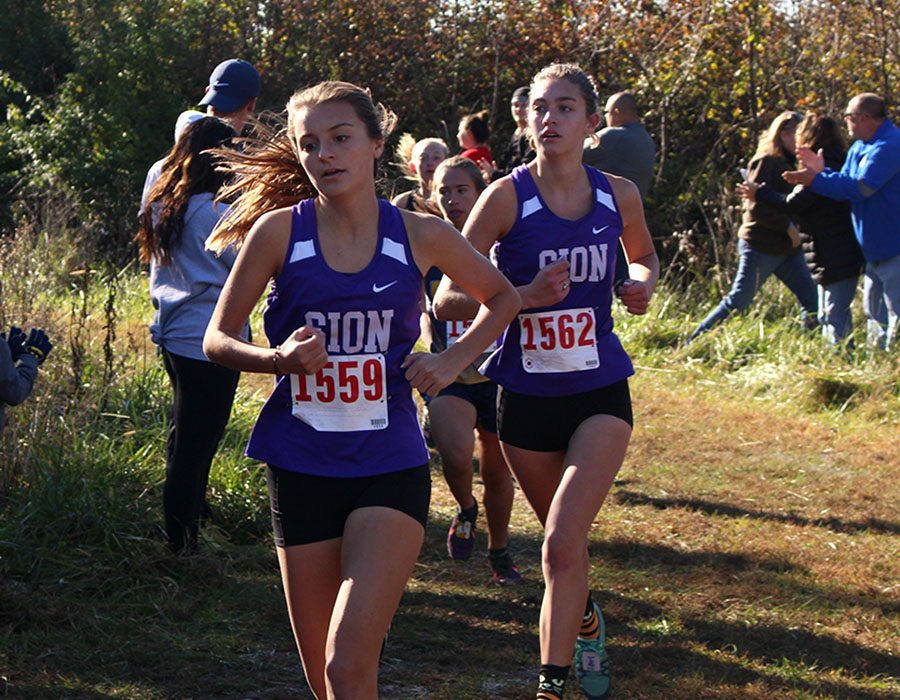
column 834, row 309
column 754, row 268
column 881, row 300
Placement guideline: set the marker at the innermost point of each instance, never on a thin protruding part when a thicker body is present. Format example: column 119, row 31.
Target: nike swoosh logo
column 376, row 288
column 595, row 231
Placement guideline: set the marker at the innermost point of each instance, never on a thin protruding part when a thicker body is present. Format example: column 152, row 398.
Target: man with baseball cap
column 232, row 91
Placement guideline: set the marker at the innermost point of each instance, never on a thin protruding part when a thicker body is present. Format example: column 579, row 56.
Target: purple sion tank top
column 569, row 347
column 356, row 417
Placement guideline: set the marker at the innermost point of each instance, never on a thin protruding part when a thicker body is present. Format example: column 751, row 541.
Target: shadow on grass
column 718, row 508
column 660, row 555
column 774, row 644
column 773, row 579
column 221, row 631
column 683, row 673
column 33, row 692
column 736, row 654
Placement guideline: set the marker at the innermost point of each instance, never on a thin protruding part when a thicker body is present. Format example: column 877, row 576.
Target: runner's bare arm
column 643, row 263
column 436, row 243
column 258, row 261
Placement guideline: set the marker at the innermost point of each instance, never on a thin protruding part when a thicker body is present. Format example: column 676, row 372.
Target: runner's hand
column 429, row 373
column 634, row 295
column 549, row 286
column 303, row 352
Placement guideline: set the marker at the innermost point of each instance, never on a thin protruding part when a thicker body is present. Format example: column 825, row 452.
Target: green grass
column 748, row 549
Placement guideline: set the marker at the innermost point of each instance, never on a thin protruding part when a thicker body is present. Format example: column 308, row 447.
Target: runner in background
column 418, row 159
column 468, row 403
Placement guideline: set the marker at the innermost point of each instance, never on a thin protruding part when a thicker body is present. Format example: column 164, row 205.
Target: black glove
column 16, row 341
column 38, row 344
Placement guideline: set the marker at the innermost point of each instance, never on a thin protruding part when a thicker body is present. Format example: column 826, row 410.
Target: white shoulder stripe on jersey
column 302, row 250
column 394, row 250
column 529, row 206
column 606, row 199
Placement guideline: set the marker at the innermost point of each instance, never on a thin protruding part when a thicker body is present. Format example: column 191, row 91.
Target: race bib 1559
column 348, row 394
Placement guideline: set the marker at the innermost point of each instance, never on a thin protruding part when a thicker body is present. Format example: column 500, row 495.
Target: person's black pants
column 202, row 394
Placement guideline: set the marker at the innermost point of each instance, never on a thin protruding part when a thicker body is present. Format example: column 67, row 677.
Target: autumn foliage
column 91, row 88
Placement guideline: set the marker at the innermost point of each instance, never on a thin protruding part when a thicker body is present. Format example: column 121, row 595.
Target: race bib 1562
column 559, row 341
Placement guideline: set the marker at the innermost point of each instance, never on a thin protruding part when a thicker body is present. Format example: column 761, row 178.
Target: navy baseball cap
column 231, row 84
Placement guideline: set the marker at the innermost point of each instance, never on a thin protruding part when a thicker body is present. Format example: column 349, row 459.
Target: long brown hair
column 267, row 174
column 188, row 169
column 821, row 131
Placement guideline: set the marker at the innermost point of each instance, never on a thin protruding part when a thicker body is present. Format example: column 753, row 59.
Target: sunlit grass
column 748, row 549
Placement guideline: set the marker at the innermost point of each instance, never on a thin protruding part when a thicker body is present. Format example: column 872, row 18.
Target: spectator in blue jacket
column 870, row 179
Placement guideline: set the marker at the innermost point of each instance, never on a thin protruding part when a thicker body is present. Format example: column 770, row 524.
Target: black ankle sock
column 552, row 682
column 495, row 554
column 469, row 514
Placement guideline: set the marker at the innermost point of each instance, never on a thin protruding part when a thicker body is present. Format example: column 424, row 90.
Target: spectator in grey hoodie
column 185, row 282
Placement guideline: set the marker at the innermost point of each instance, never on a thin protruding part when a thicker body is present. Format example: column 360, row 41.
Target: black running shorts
column 482, row 395
column 308, row 508
column 547, row 423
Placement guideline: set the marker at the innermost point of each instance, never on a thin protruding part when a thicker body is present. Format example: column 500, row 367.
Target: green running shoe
column 592, row 663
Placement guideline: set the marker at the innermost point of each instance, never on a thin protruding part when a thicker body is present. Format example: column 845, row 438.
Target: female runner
column 419, row 159
column 564, row 411
column 469, row 402
column 347, row 465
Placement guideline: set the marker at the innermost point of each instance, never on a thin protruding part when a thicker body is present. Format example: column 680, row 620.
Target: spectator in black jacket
column 832, row 253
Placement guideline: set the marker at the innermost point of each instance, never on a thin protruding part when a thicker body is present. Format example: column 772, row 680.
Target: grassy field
column 750, row 547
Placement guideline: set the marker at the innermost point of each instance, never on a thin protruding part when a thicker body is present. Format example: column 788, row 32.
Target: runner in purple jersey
column 469, row 403
column 370, row 322
column 347, row 471
column 564, row 411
